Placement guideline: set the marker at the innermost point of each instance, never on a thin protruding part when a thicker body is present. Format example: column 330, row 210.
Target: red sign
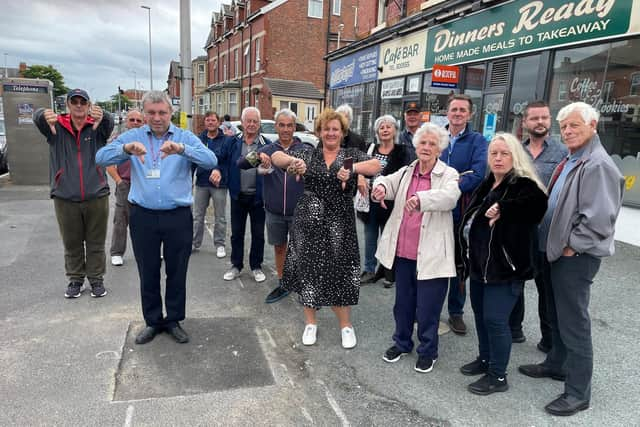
column 445, row 76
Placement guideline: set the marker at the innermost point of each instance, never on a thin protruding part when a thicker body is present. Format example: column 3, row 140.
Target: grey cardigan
column 588, row 206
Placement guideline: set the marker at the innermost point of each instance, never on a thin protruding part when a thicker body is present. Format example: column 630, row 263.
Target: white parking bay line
column 334, row 405
column 128, row 420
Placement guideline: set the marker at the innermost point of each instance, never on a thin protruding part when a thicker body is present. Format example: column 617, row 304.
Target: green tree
column 50, row 73
column 125, row 102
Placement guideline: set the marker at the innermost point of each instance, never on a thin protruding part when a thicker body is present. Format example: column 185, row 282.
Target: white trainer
column 348, row 337
column 231, row 274
column 220, row 252
column 117, row 260
column 309, row 334
column 259, row 275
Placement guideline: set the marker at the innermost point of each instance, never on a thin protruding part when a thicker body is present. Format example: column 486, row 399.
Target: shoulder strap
column 370, row 149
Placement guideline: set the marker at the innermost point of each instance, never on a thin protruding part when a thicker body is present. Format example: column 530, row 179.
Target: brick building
column 270, row 54
column 173, row 84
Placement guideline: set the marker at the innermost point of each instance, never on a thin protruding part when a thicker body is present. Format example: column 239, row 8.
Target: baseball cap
column 78, row 92
column 411, row 106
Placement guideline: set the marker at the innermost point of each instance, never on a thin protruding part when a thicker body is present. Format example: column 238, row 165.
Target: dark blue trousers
column 173, row 230
column 240, row 209
column 457, row 287
column 492, row 304
column 417, row 298
column 568, row 305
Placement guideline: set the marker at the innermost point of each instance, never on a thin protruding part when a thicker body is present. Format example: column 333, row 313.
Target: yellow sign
column 629, row 181
column 183, row 120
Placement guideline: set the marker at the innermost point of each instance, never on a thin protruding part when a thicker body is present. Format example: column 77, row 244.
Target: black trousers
column 240, row 209
column 543, row 284
column 172, row 230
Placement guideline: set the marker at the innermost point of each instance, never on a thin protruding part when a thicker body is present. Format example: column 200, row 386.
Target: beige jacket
column 436, row 254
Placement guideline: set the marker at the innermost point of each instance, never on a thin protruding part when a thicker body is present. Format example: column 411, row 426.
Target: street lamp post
column 150, row 57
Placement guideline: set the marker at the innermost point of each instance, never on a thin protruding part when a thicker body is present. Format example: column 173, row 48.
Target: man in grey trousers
column 585, row 195
column 121, row 175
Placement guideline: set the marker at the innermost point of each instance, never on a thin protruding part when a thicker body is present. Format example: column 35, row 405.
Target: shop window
column 523, row 91
column 606, row 76
column 635, row 84
column 474, row 77
column 562, row 91
column 413, row 84
column 435, row 100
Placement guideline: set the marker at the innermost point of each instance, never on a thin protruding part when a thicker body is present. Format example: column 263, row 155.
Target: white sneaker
column 231, row 274
column 117, row 260
column 220, row 252
column 348, row 337
column 309, row 334
column 259, row 275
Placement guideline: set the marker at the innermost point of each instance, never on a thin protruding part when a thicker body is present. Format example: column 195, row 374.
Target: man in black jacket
column 79, row 187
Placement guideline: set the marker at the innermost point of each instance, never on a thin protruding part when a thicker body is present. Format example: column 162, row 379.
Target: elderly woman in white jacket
column 418, row 242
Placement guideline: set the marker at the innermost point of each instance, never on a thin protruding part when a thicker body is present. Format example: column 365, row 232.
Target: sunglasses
column 135, row 120
column 76, row 101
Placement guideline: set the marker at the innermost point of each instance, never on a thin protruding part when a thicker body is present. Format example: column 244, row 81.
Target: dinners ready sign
column 525, row 25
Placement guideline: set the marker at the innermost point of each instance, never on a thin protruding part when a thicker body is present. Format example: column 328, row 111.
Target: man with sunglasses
column 121, row 175
column 79, row 187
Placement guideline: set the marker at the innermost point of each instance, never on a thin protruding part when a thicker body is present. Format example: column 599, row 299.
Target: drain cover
column 223, row 353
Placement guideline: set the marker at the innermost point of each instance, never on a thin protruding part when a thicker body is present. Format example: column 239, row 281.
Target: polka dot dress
column 323, row 259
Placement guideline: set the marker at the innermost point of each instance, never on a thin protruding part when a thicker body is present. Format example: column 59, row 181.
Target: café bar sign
column 525, row 25
column 402, row 55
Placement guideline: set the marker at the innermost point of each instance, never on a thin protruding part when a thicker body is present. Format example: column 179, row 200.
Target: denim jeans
column 492, row 304
column 240, row 209
column 200, row 204
column 372, row 229
column 457, row 291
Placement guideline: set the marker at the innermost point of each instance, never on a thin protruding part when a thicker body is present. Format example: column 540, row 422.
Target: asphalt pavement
column 73, row 362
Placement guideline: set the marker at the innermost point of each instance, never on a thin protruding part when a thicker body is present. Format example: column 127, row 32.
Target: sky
column 103, row 44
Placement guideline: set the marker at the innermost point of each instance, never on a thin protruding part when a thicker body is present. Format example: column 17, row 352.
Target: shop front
column 353, row 81
column 521, row 51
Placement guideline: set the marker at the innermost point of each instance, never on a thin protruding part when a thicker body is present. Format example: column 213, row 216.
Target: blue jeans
column 421, row 299
column 492, row 304
column 240, row 209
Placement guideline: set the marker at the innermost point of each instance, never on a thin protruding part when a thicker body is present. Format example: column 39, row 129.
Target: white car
column 268, row 129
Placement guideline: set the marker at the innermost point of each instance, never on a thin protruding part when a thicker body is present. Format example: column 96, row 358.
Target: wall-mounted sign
column 392, row 89
column 359, row 67
column 524, row 25
column 403, row 55
column 445, row 76
column 24, row 88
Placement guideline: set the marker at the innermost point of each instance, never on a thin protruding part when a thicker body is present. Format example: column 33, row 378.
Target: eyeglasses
column 76, row 101
column 135, row 120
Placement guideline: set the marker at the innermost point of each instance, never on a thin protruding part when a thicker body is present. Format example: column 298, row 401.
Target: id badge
column 153, row 173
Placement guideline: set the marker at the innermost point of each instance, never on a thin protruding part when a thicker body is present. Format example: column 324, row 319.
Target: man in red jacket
column 79, row 187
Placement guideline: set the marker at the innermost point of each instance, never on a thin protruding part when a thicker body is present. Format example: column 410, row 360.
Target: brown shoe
column 457, row 325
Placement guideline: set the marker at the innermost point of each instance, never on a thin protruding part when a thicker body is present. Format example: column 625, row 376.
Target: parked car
column 268, row 129
column 4, row 167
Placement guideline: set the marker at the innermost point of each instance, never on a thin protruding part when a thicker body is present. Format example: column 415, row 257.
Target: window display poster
column 489, row 128
column 25, row 114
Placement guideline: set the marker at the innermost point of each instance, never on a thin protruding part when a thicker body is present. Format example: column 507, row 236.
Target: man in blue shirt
column 161, row 159
column 466, row 153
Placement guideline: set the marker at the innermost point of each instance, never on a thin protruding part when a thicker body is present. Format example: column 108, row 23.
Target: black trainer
column 489, row 384
column 425, row 364
column 393, row 354
column 98, row 290
column 276, row 295
column 74, row 290
column 477, row 367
